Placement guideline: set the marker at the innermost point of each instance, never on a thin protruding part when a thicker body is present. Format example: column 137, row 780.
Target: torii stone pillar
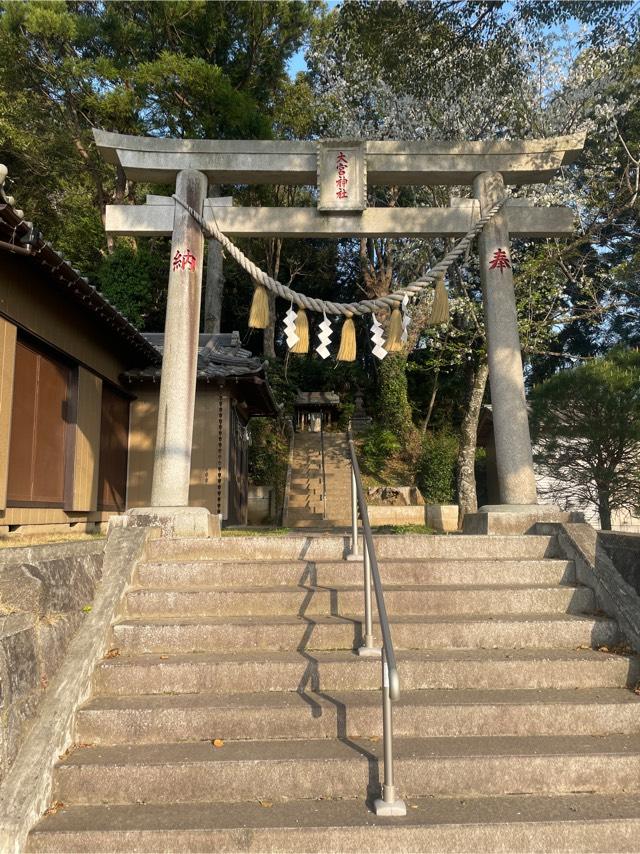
column 172, row 462
column 170, row 509
column 510, row 423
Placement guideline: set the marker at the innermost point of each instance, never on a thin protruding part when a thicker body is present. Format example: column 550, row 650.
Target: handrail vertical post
column 388, row 804
column 354, row 554
column 367, row 647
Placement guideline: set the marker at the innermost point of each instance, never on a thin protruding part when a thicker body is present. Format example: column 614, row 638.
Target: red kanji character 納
column 189, row 260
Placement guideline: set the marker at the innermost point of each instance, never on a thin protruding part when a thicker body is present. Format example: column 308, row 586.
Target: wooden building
column 78, row 387
column 232, row 387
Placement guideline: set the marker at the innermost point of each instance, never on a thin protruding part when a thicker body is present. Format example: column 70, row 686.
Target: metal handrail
column 324, row 476
column 389, row 804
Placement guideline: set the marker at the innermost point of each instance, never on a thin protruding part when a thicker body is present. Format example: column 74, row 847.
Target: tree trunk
column 467, row 498
column 214, row 285
column 432, row 400
column 274, row 249
column 394, row 407
column 604, row 509
column 269, row 332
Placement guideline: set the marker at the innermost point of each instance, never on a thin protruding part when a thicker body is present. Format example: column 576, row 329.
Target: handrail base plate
column 369, row 651
column 389, row 808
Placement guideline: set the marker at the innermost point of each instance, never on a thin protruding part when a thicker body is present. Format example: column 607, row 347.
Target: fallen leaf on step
column 617, row 649
column 55, row 807
column 265, row 803
column 217, row 742
column 113, row 653
column 374, row 738
column 164, row 657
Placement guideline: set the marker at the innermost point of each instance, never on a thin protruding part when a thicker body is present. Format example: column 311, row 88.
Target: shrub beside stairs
column 233, row 715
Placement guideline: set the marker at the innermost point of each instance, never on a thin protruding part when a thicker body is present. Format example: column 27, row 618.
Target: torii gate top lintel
column 295, row 162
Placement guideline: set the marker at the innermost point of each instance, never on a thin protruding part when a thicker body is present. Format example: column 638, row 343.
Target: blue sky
column 296, row 63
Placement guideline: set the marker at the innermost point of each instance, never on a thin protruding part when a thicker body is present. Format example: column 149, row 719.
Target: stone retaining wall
column 624, row 551
column 43, row 591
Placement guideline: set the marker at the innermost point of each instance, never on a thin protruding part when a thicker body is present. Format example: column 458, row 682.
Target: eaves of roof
column 77, row 286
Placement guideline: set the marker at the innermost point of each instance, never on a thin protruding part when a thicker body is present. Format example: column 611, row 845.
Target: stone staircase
column 306, row 507
column 513, row 732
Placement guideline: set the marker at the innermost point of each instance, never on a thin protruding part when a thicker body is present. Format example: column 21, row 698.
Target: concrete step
column 282, row 633
column 295, row 547
column 457, row 572
column 523, row 823
column 406, row 599
column 146, row 719
column 189, row 772
column 310, row 512
column 251, row 672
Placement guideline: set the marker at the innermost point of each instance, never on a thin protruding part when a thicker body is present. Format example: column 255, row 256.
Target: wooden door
column 114, row 450
column 38, row 429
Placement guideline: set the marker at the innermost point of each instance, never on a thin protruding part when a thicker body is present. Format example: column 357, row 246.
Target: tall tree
column 476, row 71
column 163, row 68
column 587, row 433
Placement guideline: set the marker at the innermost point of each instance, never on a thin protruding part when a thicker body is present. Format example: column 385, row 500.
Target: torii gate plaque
column 486, row 166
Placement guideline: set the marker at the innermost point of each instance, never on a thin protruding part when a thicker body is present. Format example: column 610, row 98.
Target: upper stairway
column 308, row 506
column 515, row 730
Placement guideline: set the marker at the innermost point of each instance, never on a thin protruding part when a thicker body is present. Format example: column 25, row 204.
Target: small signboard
column 342, row 175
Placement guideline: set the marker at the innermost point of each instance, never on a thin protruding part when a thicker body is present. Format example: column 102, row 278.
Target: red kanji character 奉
column 189, row 260
column 500, row 261
column 177, row 262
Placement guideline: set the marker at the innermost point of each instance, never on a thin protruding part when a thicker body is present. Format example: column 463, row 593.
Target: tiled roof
column 317, row 398
column 220, row 356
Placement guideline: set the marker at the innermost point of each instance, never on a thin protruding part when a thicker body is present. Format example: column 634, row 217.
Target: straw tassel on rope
column 394, row 332
column 259, row 314
column 347, row 351
column 302, row 331
column 440, row 306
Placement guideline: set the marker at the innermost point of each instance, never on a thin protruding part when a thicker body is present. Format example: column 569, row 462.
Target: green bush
column 436, row 475
column 379, row 444
column 268, row 457
column 346, row 411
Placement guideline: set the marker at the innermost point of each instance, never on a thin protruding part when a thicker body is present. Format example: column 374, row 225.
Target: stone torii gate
column 486, row 166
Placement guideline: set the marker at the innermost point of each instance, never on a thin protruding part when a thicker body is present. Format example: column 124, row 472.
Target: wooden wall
column 7, row 362
column 210, row 454
column 31, row 304
column 86, row 443
column 30, row 301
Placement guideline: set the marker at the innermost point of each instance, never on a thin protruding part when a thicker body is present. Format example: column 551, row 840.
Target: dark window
column 114, row 441
column 38, row 429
